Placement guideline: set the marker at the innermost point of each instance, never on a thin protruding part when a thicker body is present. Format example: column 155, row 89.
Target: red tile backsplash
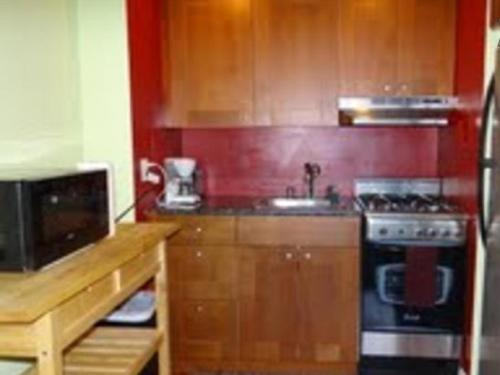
column 256, row 161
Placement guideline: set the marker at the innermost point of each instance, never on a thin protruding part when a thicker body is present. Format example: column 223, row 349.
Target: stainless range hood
column 396, row 111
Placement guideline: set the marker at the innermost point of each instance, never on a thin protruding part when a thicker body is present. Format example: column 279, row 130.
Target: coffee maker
column 181, row 187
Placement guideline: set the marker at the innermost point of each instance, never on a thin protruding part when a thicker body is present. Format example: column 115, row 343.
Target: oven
column 413, row 287
column 413, row 278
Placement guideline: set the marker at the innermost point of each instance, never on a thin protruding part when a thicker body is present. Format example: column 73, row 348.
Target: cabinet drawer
column 202, row 272
column 299, row 231
column 204, row 330
column 206, row 230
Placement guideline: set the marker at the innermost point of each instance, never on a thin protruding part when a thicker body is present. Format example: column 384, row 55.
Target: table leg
column 162, row 315
column 49, row 352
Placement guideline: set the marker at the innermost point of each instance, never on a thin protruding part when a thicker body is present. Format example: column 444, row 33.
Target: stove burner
column 409, row 203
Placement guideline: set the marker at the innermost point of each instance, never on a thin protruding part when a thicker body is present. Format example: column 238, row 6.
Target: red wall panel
column 256, row 162
column 145, row 45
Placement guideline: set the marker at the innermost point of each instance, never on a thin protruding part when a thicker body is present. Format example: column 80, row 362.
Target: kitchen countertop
column 249, row 206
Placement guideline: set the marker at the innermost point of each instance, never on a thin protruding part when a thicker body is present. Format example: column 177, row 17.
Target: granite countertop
column 248, row 206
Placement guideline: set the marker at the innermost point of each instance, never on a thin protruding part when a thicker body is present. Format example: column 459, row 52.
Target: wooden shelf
column 105, row 350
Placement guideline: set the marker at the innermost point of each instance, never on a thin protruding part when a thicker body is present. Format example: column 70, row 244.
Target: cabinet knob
column 199, row 254
column 199, row 308
column 199, row 229
column 404, row 87
column 289, row 256
column 387, row 88
column 307, row 256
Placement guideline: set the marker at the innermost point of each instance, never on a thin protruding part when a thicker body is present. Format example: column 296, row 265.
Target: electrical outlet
column 144, row 165
column 146, row 175
column 153, row 178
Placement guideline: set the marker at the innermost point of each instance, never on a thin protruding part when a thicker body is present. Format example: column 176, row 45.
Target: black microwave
column 46, row 215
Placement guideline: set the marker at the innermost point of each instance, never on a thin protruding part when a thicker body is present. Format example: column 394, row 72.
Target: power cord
column 147, row 192
column 133, row 205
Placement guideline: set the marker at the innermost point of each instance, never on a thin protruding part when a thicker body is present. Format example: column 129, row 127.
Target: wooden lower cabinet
column 328, row 287
column 300, row 305
column 269, row 302
column 203, row 272
column 204, row 330
column 265, row 307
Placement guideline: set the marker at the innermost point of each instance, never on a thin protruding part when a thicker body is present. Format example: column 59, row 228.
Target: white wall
column 64, row 86
column 39, row 112
column 105, row 90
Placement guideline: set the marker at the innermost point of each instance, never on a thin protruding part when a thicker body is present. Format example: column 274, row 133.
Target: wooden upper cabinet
column 296, row 62
column 397, row 47
column 426, row 47
column 211, row 62
column 367, row 47
column 285, row 62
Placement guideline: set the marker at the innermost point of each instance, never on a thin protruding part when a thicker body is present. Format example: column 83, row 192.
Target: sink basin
column 290, row 203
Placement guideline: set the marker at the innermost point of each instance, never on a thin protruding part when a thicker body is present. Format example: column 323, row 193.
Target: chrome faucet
column 311, row 172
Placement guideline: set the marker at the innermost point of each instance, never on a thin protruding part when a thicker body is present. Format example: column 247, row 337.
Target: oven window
column 392, row 285
column 413, row 289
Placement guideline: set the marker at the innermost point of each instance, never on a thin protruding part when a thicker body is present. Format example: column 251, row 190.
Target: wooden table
column 50, row 315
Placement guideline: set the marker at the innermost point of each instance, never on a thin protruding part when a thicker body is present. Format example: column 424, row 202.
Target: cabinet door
column 268, row 306
column 426, row 49
column 211, row 52
column 204, row 330
column 329, row 297
column 296, row 65
column 367, row 45
column 202, row 272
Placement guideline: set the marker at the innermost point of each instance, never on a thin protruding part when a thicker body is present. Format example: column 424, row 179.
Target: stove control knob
column 383, row 231
column 446, row 233
column 432, row 232
column 420, row 232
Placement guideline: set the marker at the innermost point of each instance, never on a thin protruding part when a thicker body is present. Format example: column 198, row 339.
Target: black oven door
column 65, row 214
column 413, row 289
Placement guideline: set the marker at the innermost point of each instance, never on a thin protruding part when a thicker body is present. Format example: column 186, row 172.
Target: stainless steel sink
column 297, row 203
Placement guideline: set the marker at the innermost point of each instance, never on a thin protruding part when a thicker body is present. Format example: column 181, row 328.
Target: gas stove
column 413, row 277
column 409, row 211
